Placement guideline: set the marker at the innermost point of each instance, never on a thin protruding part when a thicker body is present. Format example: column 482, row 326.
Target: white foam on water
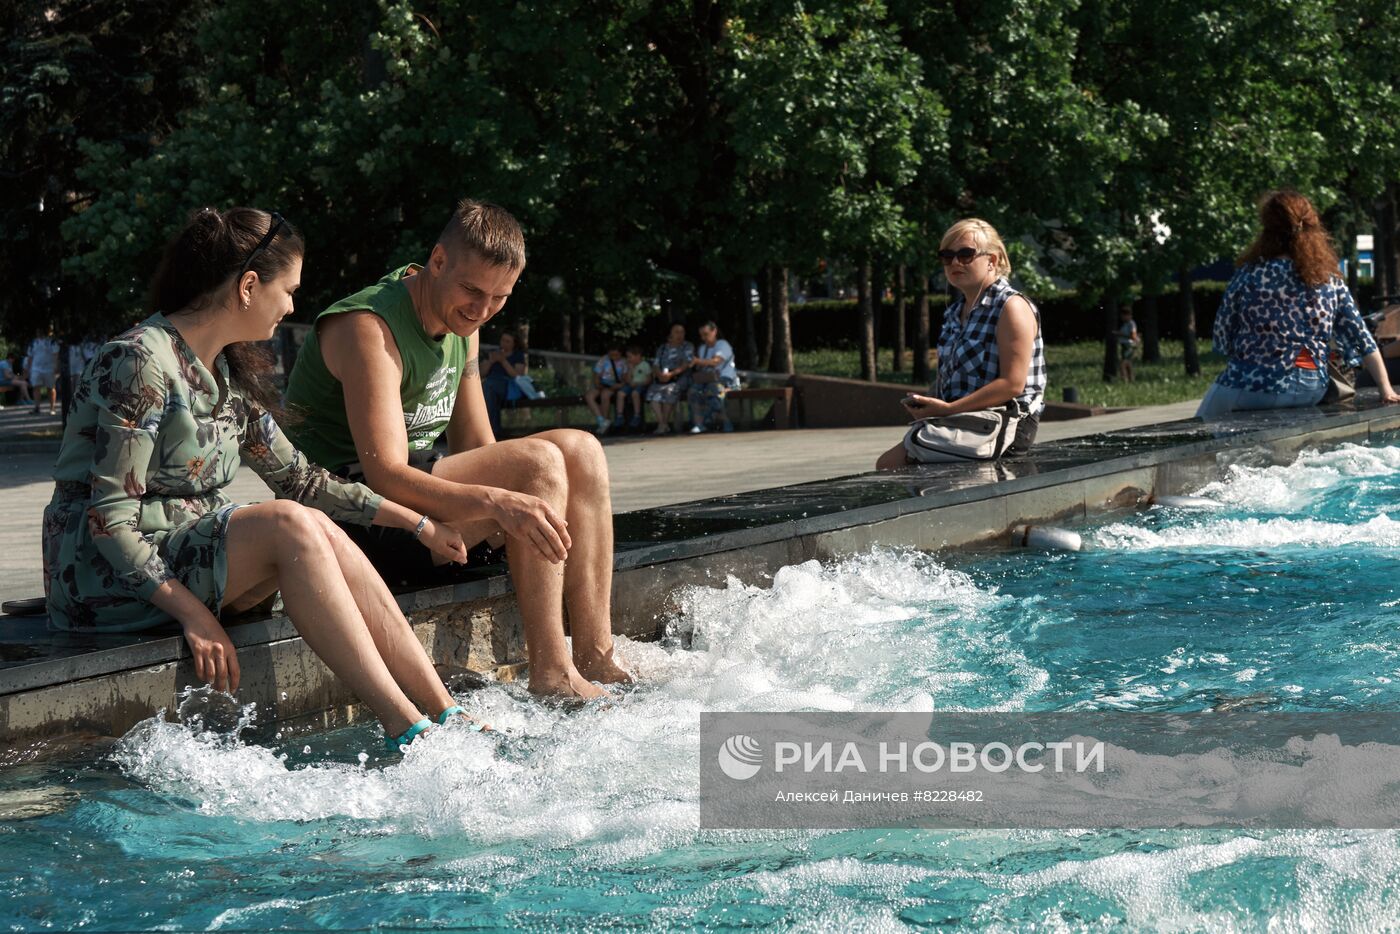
column 1345, row 880
column 885, row 631
column 1294, row 487
column 1250, row 533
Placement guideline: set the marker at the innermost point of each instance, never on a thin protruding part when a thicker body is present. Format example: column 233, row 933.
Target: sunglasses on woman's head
column 274, row 226
column 964, row 256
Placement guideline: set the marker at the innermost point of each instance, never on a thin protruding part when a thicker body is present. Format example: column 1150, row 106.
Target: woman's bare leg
column 893, row 459
column 663, row 417
column 284, row 540
column 255, row 594
column 403, row 654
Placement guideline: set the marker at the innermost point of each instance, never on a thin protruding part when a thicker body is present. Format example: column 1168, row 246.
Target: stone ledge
column 90, row 683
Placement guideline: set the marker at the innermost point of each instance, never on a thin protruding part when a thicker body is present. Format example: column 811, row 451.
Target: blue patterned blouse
column 1268, row 316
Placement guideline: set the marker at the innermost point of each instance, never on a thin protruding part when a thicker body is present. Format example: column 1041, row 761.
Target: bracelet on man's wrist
column 422, row 524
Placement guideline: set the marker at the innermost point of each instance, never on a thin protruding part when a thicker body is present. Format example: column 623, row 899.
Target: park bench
column 561, row 405
column 784, row 412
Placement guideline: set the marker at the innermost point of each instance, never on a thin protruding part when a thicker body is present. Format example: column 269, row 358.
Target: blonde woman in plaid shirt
column 990, row 350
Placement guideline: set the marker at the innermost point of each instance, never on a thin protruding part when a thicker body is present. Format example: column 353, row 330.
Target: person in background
column 712, row 375
column 41, row 369
column 1282, row 309
column 11, row 378
column 670, row 377
column 79, row 354
column 638, row 380
column 990, row 350
column 609, row 376
column 1128, row 343
column 141, row 530
column 503, row 365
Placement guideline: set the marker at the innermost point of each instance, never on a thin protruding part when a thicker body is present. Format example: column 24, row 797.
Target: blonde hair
column 488, row 230
column 986, row 238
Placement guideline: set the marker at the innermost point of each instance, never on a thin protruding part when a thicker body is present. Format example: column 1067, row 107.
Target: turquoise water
column 1283, row 599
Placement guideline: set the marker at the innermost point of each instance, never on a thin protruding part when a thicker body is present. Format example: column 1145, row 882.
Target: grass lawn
column 1079, row 365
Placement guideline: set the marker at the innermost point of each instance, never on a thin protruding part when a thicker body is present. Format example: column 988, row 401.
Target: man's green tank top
column 432, row 370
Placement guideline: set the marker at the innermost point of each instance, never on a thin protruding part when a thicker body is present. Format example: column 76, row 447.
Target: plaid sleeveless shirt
column 968, row 357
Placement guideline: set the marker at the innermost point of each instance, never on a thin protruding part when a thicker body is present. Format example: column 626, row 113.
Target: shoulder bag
column 983, row 435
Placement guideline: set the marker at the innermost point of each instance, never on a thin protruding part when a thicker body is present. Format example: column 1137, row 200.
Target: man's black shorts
column 401, row 559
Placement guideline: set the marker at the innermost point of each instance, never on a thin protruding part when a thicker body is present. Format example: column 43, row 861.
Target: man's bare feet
column 574, row 685
column 600, row 667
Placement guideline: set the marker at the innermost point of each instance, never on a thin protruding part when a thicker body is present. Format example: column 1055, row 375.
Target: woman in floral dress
column 670, row 366
column 141, row 531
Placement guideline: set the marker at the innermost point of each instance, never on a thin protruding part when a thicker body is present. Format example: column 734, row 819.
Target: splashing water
column 1281, row 601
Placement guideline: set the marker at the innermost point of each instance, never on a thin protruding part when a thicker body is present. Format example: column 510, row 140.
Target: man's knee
column 538, row 467
column 581, row 449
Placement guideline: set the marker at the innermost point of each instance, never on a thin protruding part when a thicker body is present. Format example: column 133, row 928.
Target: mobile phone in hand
column 909, row 401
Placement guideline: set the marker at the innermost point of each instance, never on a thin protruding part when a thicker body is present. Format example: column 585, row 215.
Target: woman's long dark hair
column 203, row 258
column 1292, row 228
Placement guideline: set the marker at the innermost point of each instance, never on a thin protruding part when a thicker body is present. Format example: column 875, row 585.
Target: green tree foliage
column 74, row 76
column 664, row 154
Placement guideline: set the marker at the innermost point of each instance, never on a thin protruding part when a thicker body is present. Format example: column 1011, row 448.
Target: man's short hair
column 488, row 230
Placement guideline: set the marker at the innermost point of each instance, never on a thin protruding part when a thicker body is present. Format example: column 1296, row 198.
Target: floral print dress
column 671, row 357
column 140, row 497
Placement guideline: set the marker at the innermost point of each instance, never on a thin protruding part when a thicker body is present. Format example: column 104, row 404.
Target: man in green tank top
column 386, row 371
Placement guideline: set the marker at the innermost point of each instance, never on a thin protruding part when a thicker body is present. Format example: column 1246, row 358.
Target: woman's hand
column 926, row 406
column 445, row 541
column 530, row 519
column 215, row 661
column 1374, row 363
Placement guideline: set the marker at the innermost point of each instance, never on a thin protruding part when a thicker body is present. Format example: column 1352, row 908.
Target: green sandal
column 472, row 724
column 408, row 735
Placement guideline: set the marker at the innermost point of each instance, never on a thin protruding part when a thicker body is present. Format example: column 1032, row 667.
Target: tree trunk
column 578, row 332
column 1378, row 248
column 899, row 300
column 1108, row 310
column 744, row 299
column 782, row 323
column 1350, row 255
column 765, row 311
column 1389, row 257
column 867, row 323
column 718, row 303
column 877, row 302
column 1188, row 323
column 921, row 326
column 1148, row 326
column 566, row 337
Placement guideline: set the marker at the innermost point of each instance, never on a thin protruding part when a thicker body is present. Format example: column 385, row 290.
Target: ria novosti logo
column 740, row 757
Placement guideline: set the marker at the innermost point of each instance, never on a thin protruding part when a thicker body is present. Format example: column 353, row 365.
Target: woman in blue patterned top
column 990, row 350
column 1280, row 312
